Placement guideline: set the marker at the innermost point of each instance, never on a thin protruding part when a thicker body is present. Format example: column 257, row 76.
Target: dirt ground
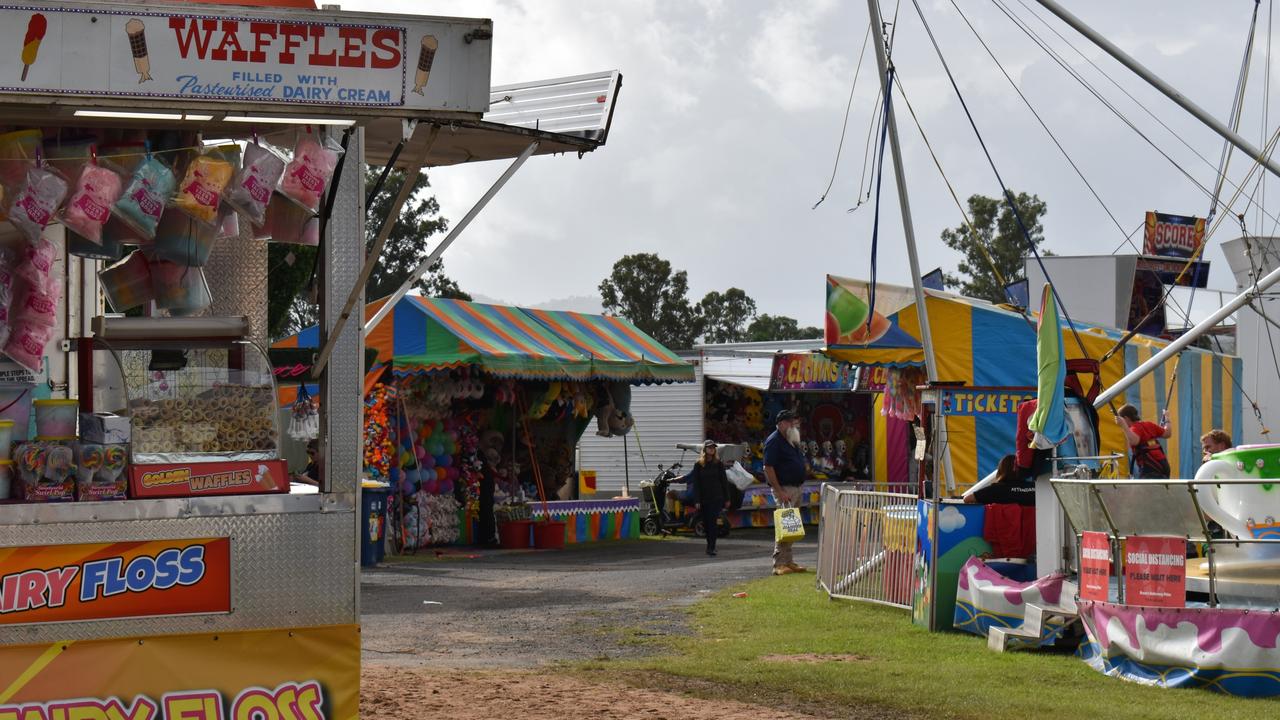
column 413, row 693
column 477, row 634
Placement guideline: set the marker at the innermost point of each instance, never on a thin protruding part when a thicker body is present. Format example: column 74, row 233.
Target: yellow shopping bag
column 788, row 526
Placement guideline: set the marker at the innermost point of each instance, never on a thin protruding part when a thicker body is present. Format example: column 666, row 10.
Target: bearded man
column 784, row 468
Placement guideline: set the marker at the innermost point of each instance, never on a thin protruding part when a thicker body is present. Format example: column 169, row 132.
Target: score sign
column 1155, row 571
column 1095, row 566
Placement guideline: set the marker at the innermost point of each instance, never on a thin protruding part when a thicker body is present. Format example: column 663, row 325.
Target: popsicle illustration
column 426, row 56
column 31, row 42
column 137, row 33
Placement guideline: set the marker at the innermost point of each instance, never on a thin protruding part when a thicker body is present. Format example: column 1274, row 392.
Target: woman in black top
column 710, row 485
column 1007, row 488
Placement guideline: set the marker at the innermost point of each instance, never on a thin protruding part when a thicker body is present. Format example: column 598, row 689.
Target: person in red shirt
column 1149, row 461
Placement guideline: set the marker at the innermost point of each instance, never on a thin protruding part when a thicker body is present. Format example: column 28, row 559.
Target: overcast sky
column 725, row 134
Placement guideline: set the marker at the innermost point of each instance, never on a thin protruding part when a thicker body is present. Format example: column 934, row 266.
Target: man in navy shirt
column 784, row 468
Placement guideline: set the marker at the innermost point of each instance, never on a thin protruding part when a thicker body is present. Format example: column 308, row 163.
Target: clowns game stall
column 836, row 424
column 475, row 410
column 155, row 560
column 987, row 357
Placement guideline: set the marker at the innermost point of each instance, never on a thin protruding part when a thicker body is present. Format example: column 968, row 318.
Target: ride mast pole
column 941, row 459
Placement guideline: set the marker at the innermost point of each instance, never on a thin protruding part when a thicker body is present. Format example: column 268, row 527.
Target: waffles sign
column 304, row 58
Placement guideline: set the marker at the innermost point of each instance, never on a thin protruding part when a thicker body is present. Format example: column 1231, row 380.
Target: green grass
column 908, row 671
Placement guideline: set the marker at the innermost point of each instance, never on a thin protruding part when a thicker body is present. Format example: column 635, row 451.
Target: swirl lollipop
column 113, row 462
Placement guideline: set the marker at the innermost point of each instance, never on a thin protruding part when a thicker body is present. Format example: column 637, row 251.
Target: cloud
column 788, row 62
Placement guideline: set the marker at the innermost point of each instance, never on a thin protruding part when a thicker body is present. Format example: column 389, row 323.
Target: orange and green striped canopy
column 423, row 334
column 618, row 349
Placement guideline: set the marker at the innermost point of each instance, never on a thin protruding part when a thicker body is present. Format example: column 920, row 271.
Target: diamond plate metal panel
column 342, row 404
column 237, row 275
column 287, row 570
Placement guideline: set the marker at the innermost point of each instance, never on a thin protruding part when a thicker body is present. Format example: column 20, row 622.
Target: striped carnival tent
column 618, row 349
column 988, row 346
column 426, row 334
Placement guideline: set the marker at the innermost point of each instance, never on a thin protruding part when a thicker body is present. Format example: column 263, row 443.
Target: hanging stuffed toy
column 539, row 408
column 304, row 420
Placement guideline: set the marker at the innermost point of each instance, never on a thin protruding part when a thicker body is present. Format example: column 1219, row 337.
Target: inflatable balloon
column 428, row 461
column 446, row 460
column 420, row 452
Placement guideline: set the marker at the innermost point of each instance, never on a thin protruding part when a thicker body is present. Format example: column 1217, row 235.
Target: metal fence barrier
column 867, row 545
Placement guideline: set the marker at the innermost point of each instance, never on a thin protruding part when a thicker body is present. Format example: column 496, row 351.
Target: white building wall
column 1257, row 340
column 664, row 415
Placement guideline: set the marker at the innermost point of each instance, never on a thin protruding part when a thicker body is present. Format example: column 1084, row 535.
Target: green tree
column 999, row 247
column 644, row 289
column 291, row 303
column 766, row 327
column 725, row 315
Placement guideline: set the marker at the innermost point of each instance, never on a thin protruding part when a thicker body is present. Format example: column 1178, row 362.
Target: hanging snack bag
column 200, row 191
column 18, row 155
column 308, row 174
column 250, row 191
column 179, row 289
column 36, row 264
column 25, row 345
column 127, row 284
column 182, row 240
column 89, row 208
column 144, row 199
column 35, row 202
column 36, row 306
column 288, row 222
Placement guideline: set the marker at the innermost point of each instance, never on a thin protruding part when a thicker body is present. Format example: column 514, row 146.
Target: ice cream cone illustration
column 137, row 33
column 31, row 42
column 426, row 56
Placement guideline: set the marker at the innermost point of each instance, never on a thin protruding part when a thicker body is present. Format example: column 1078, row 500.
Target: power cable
column 863, row 181
column 844, row 126
column 1008, row 196
column 973, row 233
column 1039, row 119
column 1237, row 106
column 1053, row 54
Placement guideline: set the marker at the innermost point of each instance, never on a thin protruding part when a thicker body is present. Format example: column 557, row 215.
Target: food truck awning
column 422, row 334
column 562, row 115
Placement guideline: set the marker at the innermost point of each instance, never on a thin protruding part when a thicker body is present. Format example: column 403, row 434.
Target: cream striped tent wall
column 1202, row 391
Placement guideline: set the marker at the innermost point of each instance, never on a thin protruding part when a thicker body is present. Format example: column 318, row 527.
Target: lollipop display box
column 199, row 402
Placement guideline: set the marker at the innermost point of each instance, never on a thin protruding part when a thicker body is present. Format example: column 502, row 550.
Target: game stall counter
column 588, row 521
column 462, row 390
column 157, row 558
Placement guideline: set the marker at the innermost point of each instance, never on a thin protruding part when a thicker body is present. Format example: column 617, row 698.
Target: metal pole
column 1168, row 90
column 943, row 459
column 626, row 473
column 375, row 253
column 1187, row 338
column 882, row 60
column 425, row 265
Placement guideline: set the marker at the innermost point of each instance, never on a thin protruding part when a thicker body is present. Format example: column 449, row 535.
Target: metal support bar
column 375, row 253
column 1168, row 90
column 425, row 265
column 1187, row 338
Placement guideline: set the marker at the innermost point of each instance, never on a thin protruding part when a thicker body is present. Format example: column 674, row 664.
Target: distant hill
column 575, row 303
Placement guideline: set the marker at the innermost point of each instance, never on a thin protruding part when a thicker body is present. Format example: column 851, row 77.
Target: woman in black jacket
column 710, row 492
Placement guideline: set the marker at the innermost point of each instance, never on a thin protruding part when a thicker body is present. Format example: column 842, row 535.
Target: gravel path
column 522, row 609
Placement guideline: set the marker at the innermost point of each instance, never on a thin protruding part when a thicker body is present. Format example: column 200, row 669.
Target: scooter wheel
column 650, row 526
column 699, row 528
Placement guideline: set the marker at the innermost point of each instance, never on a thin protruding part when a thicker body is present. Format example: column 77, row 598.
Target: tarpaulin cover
column 983, row 345
column 425, row 334
column 1232, row 651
